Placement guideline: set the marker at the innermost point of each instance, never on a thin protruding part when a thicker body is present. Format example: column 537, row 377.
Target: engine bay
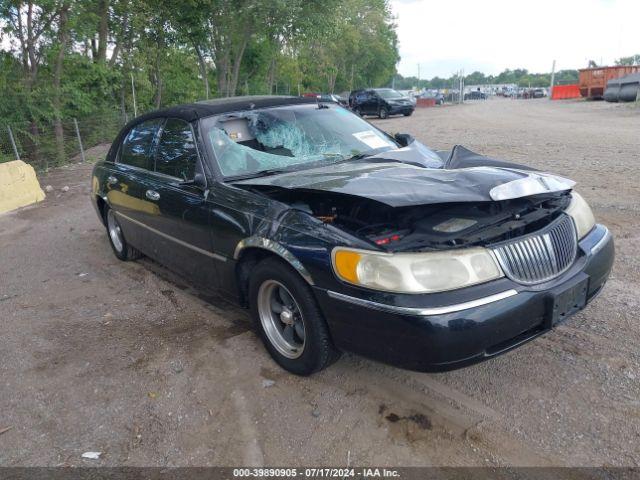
column 426, row 227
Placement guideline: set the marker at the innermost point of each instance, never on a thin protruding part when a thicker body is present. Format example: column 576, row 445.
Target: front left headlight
column 424, row 272
column 581, row 213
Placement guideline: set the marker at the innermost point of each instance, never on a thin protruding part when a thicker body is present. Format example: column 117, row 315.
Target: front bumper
column 397, row 109
column 458, row 333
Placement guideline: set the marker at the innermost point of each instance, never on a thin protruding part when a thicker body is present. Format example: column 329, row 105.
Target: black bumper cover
column 454, row 340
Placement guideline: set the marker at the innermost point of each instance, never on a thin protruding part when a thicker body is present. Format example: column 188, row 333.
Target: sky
column 492, row 35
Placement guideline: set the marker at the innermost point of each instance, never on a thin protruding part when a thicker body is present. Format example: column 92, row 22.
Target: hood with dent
column 402, row 185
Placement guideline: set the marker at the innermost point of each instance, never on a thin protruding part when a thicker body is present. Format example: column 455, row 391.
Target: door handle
column 152, row 195
column 111, row 180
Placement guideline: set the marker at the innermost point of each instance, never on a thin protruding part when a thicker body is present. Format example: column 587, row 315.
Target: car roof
column 206, row 108
column 193, row 111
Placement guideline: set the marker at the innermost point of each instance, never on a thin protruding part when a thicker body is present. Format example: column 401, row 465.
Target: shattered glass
column 284, row 137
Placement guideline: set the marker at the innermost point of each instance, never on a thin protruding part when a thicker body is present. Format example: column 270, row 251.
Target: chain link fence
column 47, row 145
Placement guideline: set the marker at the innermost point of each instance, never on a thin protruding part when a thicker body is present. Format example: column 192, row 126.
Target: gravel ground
column 128, row 360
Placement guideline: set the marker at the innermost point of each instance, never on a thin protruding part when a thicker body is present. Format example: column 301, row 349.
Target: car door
column 371, row 103
column 128, row 182
column 183, row 227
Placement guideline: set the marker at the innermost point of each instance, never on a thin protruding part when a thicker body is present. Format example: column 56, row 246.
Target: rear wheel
column 120, row 247
column 288, row 319
column 384, row 113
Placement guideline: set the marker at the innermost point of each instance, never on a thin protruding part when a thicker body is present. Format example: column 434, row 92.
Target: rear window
column 136, row 148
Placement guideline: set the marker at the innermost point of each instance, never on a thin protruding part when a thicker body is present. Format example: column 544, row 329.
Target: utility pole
column 553, row 79
column 418, row 76
column 133, row 91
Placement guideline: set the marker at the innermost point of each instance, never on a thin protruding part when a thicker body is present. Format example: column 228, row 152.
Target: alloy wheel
column 115, row 233
column 281, row 318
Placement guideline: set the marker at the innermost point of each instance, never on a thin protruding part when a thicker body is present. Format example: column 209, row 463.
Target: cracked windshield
column 257, row 142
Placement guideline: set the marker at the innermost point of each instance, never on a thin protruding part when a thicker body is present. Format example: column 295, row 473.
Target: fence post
column 75, row 122
column 13, row 143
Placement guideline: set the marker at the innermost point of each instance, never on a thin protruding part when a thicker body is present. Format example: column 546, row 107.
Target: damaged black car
column 340, row 237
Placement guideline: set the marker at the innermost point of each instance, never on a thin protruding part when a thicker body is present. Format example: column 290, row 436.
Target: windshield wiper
column 261, row 173
column 382, row 159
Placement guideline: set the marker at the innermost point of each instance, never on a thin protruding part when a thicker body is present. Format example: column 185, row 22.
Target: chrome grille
column 540, row 256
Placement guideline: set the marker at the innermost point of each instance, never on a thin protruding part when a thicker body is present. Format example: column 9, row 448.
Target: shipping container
column 593, row 81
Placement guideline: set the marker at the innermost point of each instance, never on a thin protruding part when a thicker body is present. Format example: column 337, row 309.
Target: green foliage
column 78, row 59
column 632, row 60
column 519, row 76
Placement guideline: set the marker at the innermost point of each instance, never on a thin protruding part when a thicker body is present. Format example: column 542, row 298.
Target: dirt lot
column 126, row 359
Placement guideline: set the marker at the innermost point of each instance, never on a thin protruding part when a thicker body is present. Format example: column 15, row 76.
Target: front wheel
column 288, row 319
column 384, row 113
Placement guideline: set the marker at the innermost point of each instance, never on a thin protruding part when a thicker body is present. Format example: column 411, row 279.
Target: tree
column 632, row 60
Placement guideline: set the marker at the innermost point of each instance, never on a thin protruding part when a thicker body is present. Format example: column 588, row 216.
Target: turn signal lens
column 345, row 263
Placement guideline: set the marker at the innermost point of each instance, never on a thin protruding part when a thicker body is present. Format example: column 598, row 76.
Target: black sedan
column 340, row 237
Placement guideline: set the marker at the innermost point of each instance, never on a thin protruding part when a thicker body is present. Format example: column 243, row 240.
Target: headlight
column 582, row 215
column 415, row 272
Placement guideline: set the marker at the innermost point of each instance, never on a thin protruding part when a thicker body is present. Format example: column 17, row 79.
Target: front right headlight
column 422, row 272
column 581, row 213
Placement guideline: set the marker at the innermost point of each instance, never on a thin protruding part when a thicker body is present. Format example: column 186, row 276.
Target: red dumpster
column 426, row 102
column 593, row 81
column 563, row 92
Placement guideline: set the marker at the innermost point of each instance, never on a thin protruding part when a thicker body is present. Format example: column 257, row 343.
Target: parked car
column 381, row 102
column 326, row 97
column 340, row 237
column 537, row 93
column 437, row 96
column 475, row 95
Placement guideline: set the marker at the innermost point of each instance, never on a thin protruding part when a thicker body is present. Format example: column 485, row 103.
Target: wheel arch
column 250, row 251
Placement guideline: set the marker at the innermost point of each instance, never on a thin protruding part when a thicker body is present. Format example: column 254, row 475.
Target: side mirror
column 198, row 181
column 404, row 139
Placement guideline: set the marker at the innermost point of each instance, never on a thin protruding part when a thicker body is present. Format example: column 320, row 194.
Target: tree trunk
column 158, row 81
column 222, row 72
column 203, row 70
column 271, row 76
column 236, row 68
column 63, row 39
column 103, row 31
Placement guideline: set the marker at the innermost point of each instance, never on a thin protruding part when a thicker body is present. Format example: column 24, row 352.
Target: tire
column 408, row 114
column 357, row 112
column 383, row 113
column 120, row 247
column 299, row 342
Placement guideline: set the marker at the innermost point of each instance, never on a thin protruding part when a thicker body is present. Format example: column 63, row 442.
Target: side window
column 136, row 148
column 176, row 154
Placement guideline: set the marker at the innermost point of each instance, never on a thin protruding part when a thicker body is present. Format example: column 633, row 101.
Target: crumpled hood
column 400, row 185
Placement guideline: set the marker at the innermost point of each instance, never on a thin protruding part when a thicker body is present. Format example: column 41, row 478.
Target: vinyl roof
column 193, row 111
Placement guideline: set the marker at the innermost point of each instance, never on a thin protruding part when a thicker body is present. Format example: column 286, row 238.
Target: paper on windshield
column 371, row 139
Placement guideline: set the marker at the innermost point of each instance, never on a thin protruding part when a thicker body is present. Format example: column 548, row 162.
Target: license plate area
column 568, row 300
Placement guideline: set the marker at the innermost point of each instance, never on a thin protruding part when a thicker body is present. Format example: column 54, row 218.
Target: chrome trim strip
column 278, row 249
column 602, row 242
column 177, row 240
column 423, row 311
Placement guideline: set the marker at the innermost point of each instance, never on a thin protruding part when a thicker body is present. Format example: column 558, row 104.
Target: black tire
column 383, row 113
column 317, row 351
column 122, row 250
column 408, row 114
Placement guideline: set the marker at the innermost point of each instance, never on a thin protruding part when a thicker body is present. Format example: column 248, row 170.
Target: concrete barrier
column 18, row 186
